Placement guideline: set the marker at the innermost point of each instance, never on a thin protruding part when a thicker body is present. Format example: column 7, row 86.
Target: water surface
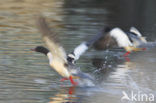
column 25, row 76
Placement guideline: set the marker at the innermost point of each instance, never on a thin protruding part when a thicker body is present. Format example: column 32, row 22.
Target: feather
column 57, row 51
column 113, row 38
column 120, row 37
column 51, row 40
column 105, row 42
column 136, row 31
column 84, row 46
column 79, row 50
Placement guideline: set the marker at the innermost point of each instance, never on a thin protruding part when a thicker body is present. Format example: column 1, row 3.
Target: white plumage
column 50, row 57
column 121, row 38
column 134, row 30
column 140, row 39
column 79, row 50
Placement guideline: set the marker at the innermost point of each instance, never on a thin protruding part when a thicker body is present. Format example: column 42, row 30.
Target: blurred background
column 25, row 76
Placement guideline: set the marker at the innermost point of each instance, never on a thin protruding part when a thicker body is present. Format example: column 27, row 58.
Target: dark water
column 25, row 76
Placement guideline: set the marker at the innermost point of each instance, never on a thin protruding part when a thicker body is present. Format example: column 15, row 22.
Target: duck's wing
column 51, row 40
column 57, row 53
column 132, row 36
column 84, row 46
column 135, row 31
column 139, row 35
column 121, row 37
column 105, row 42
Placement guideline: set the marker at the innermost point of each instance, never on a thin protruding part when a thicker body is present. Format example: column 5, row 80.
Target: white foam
column 85, row 83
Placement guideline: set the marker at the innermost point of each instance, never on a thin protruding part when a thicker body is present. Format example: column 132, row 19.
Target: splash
column 85, row 82
column 149, row 45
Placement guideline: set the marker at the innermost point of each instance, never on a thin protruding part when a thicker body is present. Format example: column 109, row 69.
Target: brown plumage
column 105, row 42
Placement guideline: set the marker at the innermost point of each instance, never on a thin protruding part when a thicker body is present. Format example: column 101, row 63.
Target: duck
column 62, row 63
column 116, row 37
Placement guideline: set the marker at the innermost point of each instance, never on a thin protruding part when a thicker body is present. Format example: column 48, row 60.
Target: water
column 25, row 76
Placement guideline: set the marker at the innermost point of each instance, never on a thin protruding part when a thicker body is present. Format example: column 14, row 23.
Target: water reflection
column 65, row 95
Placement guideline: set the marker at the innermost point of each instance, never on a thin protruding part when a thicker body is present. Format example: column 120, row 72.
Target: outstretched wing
column 136, row 36
column 120, row 37
column 58, row 54
column 83, row 47
column 51, row 40
column 136, row 31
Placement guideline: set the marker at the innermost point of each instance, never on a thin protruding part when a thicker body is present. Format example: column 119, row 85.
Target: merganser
column 117, row 38
column 57, row 56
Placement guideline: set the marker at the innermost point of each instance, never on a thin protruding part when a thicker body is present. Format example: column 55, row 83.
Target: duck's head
column 41, row 49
